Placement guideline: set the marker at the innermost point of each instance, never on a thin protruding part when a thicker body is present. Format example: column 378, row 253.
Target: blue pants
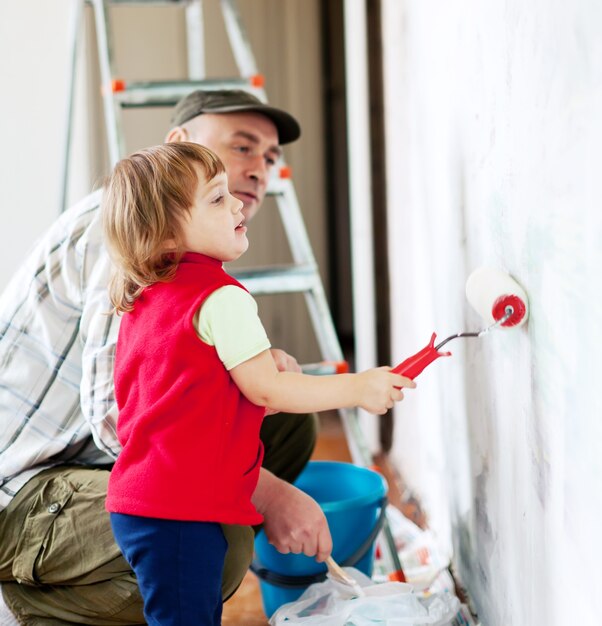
column 178, row 565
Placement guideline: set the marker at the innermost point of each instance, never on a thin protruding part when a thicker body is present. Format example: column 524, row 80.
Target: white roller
column 490, row 291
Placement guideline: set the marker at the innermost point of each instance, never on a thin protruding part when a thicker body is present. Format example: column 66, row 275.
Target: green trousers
column 59, row 563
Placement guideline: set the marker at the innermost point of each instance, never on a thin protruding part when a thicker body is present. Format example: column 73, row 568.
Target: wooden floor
column 245, row 609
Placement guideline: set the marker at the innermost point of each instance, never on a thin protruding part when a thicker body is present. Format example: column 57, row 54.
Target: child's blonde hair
column 146, row 197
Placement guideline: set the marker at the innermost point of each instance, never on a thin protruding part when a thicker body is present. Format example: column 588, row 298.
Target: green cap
column 233, row 101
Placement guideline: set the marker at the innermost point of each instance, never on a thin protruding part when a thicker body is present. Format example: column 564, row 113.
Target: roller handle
column 414, row 365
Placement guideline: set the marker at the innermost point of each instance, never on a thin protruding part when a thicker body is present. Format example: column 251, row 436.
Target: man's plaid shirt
column 56, row 354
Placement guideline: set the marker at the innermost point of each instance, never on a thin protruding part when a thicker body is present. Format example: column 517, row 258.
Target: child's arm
column 375, row 390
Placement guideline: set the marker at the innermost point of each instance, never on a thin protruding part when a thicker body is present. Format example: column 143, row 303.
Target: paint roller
column 497, row 297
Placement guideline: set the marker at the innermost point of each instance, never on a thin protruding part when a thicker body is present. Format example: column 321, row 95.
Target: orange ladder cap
column 257, row 80
column 342, row 367
column 285, row 172
column 118, row 84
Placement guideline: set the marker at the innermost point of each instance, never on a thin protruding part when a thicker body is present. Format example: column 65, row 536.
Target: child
column 193, row 378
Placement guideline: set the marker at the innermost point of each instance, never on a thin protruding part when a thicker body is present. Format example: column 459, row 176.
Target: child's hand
column 378, row 389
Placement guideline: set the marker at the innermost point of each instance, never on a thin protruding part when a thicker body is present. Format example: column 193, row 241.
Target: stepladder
column 302, row 275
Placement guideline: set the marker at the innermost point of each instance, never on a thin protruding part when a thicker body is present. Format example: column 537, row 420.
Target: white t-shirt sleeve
column 228, row 320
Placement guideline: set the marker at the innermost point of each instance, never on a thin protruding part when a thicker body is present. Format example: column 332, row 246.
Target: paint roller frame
column 510, row 309
column 508, row 313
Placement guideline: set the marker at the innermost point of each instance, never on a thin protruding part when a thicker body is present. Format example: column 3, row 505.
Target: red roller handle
column 413, row 365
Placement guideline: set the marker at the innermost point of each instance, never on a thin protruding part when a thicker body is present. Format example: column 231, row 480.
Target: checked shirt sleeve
column 98, row 332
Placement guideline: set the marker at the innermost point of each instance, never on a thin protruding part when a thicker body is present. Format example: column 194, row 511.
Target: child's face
column 216, row 223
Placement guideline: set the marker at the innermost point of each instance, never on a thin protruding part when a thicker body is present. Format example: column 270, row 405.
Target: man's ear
column 177, row 134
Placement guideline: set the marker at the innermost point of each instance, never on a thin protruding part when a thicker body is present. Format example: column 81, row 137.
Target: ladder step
column 168, row 93
column 278, row 279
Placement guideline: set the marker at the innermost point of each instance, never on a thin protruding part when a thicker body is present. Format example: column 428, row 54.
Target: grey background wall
column 494, row 135
column 150, row 45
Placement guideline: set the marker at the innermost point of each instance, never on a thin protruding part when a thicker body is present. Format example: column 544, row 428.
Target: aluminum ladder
column 300, row 277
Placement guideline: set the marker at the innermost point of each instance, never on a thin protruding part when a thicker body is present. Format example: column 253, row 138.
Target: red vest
column 191, row 447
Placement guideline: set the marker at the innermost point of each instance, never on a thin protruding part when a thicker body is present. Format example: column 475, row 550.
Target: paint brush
column 338, row 574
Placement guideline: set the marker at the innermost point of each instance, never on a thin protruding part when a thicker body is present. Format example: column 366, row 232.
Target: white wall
column 494, row 139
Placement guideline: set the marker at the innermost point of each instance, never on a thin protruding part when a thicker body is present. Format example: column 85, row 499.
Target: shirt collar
column 203, row 259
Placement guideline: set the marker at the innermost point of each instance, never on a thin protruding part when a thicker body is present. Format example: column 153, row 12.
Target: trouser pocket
column 66, row 536
column 37, row 530
column 65, row 545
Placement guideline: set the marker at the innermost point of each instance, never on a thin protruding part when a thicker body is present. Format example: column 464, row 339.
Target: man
column 58, row 559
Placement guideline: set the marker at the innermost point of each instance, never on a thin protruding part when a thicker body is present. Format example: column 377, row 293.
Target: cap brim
column 287, row 126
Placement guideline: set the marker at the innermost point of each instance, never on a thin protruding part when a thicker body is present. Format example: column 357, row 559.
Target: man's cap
column 234, row 101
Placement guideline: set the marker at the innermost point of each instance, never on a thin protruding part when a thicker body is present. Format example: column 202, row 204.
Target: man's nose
column 258, row 169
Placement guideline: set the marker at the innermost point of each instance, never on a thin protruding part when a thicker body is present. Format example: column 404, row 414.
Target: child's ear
column 177, row 134
column 169, row 245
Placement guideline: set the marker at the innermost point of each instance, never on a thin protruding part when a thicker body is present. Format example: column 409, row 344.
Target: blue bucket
column 353, row 501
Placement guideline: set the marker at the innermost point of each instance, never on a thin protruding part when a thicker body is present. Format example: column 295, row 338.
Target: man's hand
column 284, row 363
column 293, row 521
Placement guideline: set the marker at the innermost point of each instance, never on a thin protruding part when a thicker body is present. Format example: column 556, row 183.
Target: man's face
column 247, row 143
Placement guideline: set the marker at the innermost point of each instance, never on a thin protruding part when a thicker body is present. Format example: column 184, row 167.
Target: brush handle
column 413, row 365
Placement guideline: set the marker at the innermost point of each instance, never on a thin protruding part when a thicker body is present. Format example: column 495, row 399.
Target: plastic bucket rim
column 358, row 501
